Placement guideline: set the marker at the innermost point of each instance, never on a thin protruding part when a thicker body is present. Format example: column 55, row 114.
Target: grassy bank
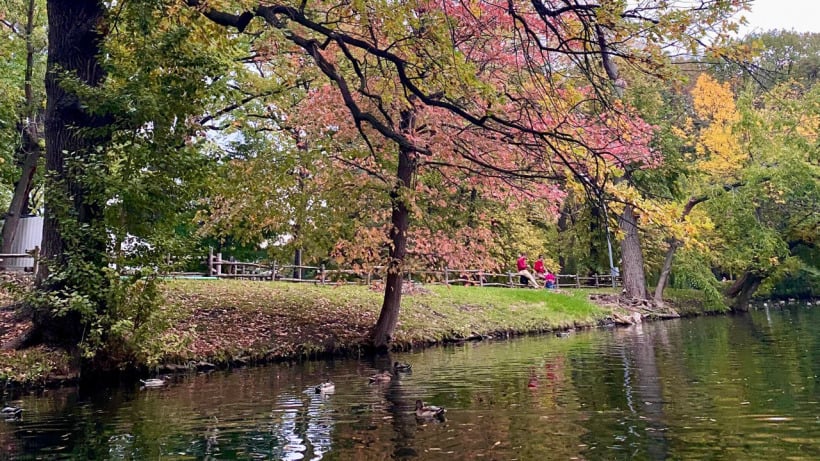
column 230, row 320
column 224, row 322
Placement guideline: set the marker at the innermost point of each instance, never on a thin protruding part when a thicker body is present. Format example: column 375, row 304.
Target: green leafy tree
column 775, row 213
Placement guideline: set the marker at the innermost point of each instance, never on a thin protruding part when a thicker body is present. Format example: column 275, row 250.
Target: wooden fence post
column 322, row 277
column 36, row 255
column 446, row 277
column 273, row 272
column 210, row 261
column 480, row 278
column 510, row 276
column 577, row 280
column 218, row 264
column 596, row 281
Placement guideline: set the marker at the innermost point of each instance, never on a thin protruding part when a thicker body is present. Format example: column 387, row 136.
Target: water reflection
column 739, row 388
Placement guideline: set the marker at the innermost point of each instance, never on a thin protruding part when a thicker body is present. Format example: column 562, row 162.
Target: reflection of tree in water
column 320, row 425
column 300, row 429
column 646, row 422
column 403, row 420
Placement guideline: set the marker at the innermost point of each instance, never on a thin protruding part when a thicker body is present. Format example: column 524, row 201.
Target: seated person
column 538, row 267
column 551, row 280
column 524, row 272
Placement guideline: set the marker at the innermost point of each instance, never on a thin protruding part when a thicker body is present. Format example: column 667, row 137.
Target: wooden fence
column 231, row 269
column 30, row 261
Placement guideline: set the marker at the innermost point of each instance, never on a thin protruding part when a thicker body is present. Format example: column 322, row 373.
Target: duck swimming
column 325, row 388
column 402, row 367
column 11, row 412
column 383, row 377
column 429, row 411
column 153, row 382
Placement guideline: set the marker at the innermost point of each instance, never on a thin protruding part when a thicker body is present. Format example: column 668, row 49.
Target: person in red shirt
column 550, row 278
column 523, row 270
column 538, row 267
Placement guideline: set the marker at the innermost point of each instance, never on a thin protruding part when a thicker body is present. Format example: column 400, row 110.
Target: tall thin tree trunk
column 297, row 263
column 382, row 333
column 674, row 244
column 30, row 144
column 22, row 189
column 632, row 269
column 666, row 270
column 302, row 175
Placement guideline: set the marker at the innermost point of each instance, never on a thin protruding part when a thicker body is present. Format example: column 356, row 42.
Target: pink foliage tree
column 500, row 94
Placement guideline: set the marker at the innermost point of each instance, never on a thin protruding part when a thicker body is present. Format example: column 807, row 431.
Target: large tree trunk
column 631, row 255
column 666, row 270
column 632, row 270
column 29, row 152
column 742, row 291
column 382, row 333
column 73, row 227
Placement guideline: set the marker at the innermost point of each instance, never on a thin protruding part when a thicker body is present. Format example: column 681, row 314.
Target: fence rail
column 231, row 269
column 30, row 260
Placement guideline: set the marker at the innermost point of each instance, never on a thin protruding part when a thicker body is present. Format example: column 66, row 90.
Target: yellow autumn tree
column 717, row 147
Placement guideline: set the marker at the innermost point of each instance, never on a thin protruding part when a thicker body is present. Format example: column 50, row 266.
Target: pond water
column 742, row 387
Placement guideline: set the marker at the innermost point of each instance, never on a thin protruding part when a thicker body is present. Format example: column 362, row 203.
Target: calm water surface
column 743, row 387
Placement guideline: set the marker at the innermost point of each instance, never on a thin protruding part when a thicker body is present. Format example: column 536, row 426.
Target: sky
column 800, row 15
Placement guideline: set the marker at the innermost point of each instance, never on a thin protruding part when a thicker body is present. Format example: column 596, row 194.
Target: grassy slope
column 224, row 320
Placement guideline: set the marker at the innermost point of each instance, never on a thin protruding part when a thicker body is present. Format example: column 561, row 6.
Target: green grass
column 223, row 320
column 456, row 312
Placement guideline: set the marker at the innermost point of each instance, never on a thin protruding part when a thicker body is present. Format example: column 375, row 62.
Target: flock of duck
column 422, row 411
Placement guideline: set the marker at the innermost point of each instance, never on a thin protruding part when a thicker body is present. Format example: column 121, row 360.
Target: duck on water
column 429, row 411
column 153, row 382
column 326, row 387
